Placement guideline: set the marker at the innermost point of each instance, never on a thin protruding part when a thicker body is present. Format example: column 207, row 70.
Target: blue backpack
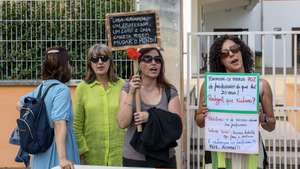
column 36, row 135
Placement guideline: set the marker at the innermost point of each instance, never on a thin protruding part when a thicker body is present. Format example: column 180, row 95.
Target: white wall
column 285, row 15
column 234, row 18
column 237, row 18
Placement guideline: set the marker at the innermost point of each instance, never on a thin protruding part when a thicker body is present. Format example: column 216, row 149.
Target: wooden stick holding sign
column 134, row 55
column 132, row 30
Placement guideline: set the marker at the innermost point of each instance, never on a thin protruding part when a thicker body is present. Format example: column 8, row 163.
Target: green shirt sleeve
column 79, row 118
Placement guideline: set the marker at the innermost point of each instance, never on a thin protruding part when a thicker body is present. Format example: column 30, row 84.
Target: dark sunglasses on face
column 233, row 49
column 95, row 59
column 149, row 59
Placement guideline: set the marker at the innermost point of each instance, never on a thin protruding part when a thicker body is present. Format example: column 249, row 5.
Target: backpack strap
column 40, row 91
column 54, row 84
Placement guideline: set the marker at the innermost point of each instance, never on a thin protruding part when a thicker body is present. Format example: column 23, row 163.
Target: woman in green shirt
column 99, row 138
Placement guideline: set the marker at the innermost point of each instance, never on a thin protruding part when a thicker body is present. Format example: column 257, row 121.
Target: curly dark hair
column 215, row 54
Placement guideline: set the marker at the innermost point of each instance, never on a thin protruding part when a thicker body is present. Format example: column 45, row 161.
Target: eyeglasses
column 233, row 49
column 95, row 59
column 149, row 59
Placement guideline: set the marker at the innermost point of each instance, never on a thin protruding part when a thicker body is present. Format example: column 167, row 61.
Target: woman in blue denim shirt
column 63, row 151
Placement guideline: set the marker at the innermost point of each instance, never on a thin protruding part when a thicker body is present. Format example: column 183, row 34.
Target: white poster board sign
column 232, row 121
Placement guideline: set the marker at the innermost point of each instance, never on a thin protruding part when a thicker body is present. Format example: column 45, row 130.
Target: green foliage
column 28, row 28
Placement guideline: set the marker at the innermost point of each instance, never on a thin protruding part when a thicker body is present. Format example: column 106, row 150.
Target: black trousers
column 138, row 163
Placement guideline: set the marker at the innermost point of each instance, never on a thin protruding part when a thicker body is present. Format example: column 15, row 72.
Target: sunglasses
column 233, row 49
column 95, row 59
column 149, row 59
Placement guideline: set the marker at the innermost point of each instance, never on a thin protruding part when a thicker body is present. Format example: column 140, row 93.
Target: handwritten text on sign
column 132, row 29
column 232, row 121
column 227, row 132
column 232, row 92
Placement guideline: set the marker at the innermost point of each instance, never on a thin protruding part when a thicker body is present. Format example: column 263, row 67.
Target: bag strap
column 53, row 84
column 40, row 91
column 168, row 93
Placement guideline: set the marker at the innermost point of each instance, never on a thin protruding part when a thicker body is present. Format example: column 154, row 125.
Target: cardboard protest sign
column 232, row 121
column 133, row 30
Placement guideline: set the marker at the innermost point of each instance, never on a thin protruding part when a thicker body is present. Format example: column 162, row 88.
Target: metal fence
column 28, row 27
column 277, row 60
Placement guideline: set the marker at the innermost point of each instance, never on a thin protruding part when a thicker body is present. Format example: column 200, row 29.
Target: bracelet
column 270, row 119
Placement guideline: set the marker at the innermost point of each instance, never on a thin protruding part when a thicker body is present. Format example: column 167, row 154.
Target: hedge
column 29, row 27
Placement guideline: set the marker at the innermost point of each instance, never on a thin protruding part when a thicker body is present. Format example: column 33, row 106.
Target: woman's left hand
column 140, row 117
